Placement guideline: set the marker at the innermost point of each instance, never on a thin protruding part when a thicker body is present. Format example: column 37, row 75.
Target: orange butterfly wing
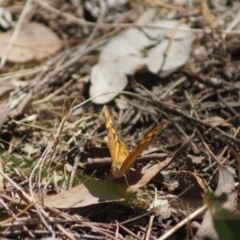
column 122, row 161
column 131, row 158
column 118, row 149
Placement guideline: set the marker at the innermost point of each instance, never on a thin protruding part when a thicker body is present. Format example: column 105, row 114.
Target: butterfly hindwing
column 137, row 151
column 122, row 161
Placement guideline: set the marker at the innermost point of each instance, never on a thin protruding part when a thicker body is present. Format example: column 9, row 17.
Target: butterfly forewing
column 132, row 156
column 118, row 149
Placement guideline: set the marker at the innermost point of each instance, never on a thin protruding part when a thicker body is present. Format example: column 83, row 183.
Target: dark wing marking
column 131, row 158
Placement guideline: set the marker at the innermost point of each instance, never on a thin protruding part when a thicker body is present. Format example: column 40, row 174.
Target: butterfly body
column 122, row 160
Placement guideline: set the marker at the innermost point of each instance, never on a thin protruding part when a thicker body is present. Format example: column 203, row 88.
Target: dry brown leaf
column 140, row 179
column 100, row 191
column 217, row 121
column 225, row 185
column 35, row 41
column 89, row 193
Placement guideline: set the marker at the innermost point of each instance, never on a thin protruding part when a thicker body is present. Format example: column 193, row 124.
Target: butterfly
column 122, row 160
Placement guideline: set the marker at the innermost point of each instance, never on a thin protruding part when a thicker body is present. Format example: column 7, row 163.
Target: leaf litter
column 226, row 185
column 54, row 182
column 135, row 49
column 101, row 191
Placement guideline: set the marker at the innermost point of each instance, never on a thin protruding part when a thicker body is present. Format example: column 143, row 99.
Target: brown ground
column 45, row 155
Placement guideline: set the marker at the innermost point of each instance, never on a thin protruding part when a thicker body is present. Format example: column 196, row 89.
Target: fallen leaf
column 110, row 190
column 137, row 48
column 29, row 149
column 30, row 44
column 141, row 177
column 225, row 185
column 217, row 121
column 89, row 193
column 161, row 207
column 196, row 159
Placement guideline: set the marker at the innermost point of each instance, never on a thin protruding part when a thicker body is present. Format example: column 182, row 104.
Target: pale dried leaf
column 89, row 193
column 163, row 206
column 134, row 49
column 196, row 159
column 217, row 121
column 29, row 149
column 30, row 44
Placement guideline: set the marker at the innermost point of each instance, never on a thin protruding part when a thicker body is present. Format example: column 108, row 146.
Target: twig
column 182, row 223
column 165, row 5
column 74, row 169
column 130, row 232
column 149, row 227
column 68, row 16
column 11, row 219
column 52, row 95
column 51, row 75
column 67, row 233
column 96, row 162
column 27, row 197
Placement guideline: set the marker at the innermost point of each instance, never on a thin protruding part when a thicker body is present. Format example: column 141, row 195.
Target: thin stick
column 149, row 227
column 182, row 223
